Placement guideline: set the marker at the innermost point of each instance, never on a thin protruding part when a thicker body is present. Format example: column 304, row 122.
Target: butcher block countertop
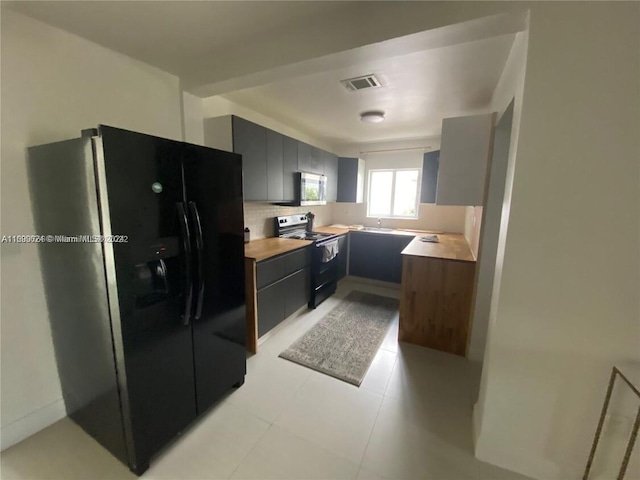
column 452, row 246
column 264, row 248
column 332, row 230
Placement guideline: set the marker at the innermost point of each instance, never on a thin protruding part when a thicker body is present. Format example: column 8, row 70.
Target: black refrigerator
column 143, row 265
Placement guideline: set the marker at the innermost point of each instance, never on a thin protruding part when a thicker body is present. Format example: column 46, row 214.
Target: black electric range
column 324, row 264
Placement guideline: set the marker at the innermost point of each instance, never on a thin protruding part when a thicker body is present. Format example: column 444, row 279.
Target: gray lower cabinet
column 396, row 259
column 377, row 255
column 297, row 288
column 283, row 285
column 270, row 307
column 343, row 254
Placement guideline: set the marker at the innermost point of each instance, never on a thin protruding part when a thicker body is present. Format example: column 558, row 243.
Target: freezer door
column 144, row 187
column 213, row 186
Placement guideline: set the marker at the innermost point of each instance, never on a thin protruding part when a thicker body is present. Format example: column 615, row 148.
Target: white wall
column 397, row 154
column 487, row 223
column 565, row 307
column 192, row 114
column 53, row 85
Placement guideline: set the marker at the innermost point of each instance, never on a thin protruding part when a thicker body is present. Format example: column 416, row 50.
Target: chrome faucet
column 379, row 223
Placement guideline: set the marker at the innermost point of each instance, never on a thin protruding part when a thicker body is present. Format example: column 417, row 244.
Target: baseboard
column 370, row 281
column 475, row 354
column 34, row 422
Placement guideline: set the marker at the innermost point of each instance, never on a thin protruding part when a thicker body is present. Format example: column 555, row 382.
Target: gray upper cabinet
column 430, row 161
column 305, row 163
column 290, row 167
column 350, row 180
column 275, row 166
column 331, row 172
column 270, row 160
column 316, row 164
column 250, row 141
column 464, row 158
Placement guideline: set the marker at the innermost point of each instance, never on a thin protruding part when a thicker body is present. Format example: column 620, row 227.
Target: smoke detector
column 361, row 83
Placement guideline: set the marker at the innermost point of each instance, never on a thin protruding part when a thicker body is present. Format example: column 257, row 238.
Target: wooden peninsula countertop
column 264, row 248
column 451, row 246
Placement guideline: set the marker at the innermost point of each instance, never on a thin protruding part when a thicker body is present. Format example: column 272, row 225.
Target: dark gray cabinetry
column 331, row 172
column 377, row 256
column 296, row 290
column 270, row 307
column 275, row 166
column 343, row 253
column 430, row 163
column 396, row 260
column 283, row 285
column 290, row 167
column 348, row 180
column 305, row 163
column 250, row 141
column 317, row 161
column 369, row 256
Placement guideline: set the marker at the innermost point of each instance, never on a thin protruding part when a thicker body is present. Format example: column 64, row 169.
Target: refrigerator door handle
column 195, row 218
column 161, row 272
column 186, row 245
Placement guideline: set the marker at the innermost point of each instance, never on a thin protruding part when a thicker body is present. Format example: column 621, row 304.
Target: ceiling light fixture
column 374, row 116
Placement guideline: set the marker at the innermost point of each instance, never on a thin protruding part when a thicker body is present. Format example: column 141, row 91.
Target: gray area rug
column 344, row 343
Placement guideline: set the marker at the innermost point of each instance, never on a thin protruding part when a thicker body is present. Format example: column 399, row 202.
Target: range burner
column 294, row 226
column 304, row 235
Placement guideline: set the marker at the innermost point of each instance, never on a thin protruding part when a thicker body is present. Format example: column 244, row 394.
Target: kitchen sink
column 377, row 229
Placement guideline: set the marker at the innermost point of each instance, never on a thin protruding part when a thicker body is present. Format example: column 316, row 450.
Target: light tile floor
column 410, row 419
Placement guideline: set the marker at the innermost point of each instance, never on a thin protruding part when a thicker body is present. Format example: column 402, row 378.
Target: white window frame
column 393, row 192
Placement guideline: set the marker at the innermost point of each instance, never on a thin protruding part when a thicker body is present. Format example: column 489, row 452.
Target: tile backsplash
column 258, row 217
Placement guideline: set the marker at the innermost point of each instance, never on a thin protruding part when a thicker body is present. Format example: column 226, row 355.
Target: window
column 393, row 193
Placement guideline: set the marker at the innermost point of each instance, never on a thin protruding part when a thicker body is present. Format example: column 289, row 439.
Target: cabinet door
column 371, row 256
column 290, row 167
column 464, row 156
column 317, row 161
column 430, row 162
column 270, row 307
column 297, row 288
column 347, row 180
column 250, row 141
column 304, row 157
column 343, row 253
column 400, row 243
column 275, row 166
column 331, row 171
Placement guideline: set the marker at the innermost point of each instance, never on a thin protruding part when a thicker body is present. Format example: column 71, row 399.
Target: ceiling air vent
column 361, row 83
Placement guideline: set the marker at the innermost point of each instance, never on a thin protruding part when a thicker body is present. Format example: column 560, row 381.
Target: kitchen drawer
column 269, row 271
column 296, row 291
column 271, row 307
column 296, row 260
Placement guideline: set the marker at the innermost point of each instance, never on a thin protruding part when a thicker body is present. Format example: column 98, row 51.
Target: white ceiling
column 283, row 59
column 419, row 90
